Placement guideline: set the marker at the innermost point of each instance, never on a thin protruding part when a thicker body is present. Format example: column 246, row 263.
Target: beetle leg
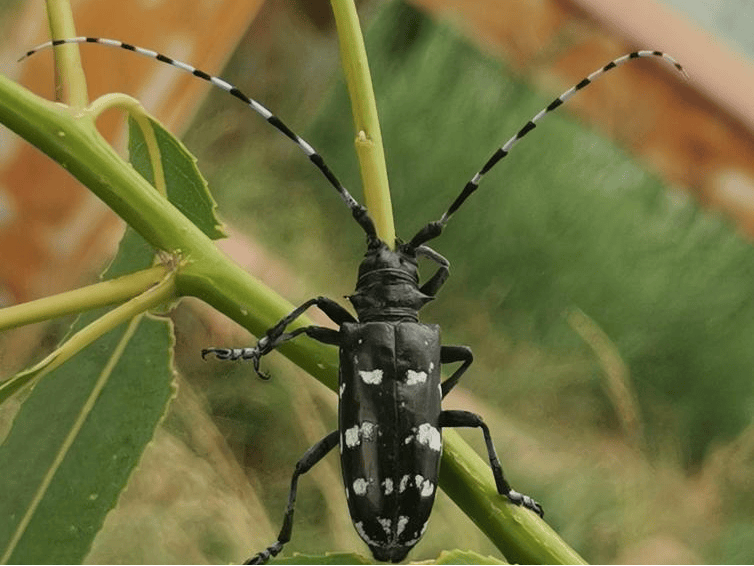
column 467, row 419
column 277, row 335
column 333, row 310
column 450, row 354
column 312, row 456
column 267, row 345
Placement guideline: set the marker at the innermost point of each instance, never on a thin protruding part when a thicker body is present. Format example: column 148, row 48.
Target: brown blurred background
column 54, row 235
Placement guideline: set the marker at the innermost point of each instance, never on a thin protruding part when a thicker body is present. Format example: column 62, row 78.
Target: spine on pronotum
column 358, row 211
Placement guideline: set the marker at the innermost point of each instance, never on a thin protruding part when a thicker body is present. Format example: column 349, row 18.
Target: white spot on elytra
column 355, row 434
column 341, row 389
column 352, row 436
column 385, row 523
column 367, row 430
column 429, row 435
column 373, row 377
column 418, row 535
column 403, row 484
column 387, row 484
column 415, row 377
column 431, row 366
column 402, row 522
column 426, row 487
column 360, row 486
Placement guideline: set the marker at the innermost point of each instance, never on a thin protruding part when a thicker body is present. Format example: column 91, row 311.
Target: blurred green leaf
column 466, row 557
column 81, row 431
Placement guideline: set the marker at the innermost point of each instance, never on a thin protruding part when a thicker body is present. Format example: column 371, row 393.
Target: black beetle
column 390, row 418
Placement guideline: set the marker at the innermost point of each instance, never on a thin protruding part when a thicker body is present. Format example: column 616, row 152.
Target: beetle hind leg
column 450, row 419
column 312, row 456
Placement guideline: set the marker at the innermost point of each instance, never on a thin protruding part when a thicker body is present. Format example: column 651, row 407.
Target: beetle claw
column 263, row 347
column 255, row 360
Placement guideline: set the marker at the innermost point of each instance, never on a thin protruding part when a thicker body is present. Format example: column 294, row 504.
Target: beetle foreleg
column 467, row 419
column 450, row 354
column 312, row 456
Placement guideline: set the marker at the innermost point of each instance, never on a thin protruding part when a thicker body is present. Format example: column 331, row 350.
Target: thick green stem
column 74, row 142
column 519, row 534
column 368, row 136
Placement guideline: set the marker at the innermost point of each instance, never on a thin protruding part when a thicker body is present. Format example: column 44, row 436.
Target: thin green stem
column 136, row 111
column 368, row 136
column 162, row 292
column 79, row 300
column 70, row 81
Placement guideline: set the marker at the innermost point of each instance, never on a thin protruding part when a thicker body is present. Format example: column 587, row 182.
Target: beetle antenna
column 433, row 229
column 358, row 211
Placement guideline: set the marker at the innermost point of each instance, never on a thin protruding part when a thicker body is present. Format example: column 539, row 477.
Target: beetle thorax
column 388, row 285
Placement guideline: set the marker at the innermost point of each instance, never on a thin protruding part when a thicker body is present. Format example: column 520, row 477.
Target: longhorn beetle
column 390, row 418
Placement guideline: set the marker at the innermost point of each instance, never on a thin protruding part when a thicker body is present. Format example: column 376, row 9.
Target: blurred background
column 602, row 274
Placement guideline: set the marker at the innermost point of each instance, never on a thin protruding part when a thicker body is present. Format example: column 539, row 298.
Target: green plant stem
column 162, row 292
column 519, row 534
column 136, row 111
column 94, row 296
column 70, row 81
column 72, row 140
column 368, row 141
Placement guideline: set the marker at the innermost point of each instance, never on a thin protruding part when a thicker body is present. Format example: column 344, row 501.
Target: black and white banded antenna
column 358, row 211
column 433, row 229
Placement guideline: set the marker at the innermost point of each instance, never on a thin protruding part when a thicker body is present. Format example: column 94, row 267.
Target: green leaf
column 465, row 557
column 186, row 187
column 79, row 435
column 81, row 432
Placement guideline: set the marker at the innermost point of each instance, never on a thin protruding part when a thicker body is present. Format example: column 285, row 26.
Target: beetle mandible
column 390, row 419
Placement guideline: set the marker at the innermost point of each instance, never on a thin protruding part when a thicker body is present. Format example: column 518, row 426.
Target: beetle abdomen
column 390, row 440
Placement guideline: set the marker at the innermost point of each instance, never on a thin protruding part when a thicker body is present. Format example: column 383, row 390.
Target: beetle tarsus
column 266, row 554
column 525, row 501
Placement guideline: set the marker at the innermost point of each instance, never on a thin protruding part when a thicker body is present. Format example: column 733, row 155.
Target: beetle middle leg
column 467, row 419
column 306, row 463
column 450, row 354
